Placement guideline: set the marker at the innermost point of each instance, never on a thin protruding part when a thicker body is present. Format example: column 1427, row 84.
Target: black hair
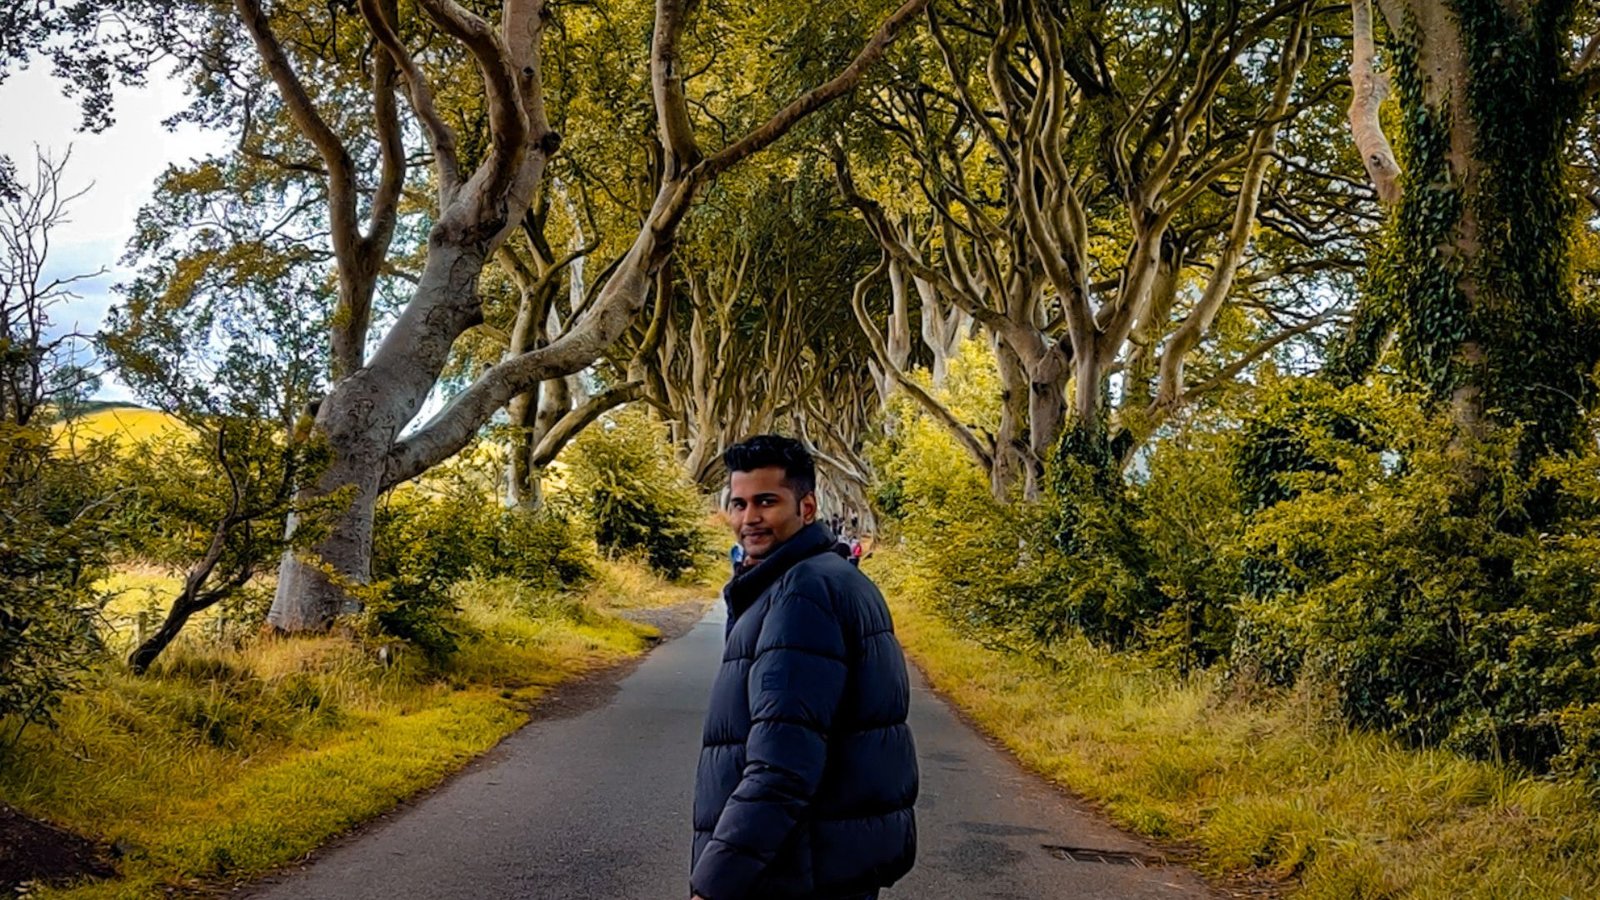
column 775, row 451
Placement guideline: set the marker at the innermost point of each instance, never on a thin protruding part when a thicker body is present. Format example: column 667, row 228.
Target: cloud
column 117, row 170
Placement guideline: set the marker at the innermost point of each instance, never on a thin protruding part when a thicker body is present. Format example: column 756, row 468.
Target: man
column 808, row 774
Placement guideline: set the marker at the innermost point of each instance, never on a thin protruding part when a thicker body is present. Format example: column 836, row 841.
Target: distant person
column 736, row 556
column 855, row 552
column 807, row 773
column 841, row 546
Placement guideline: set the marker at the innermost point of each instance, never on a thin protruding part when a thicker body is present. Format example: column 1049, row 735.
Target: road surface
column 595, row 805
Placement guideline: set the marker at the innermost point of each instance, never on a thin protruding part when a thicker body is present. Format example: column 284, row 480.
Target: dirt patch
column 35, row 852
column 671, row 621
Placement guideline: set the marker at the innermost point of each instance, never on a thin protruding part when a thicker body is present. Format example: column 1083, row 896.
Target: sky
column 118, row 167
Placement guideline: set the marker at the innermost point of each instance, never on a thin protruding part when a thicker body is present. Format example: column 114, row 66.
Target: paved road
column 595, row 806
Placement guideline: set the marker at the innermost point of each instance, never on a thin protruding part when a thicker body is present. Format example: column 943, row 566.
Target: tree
column 473, row 81
column 372, row 398
column 53, row 538
column 40, row 370
column 1473, row 278
column 1089, row 186
column 232, row 347
column 757, row 339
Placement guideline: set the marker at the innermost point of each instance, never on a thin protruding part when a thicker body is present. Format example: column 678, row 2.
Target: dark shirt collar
column 749, row 583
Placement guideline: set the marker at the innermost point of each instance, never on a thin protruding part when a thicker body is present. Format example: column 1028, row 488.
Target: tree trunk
column 145, row 654
column 365, row 410
column 1047, row 412
column 520, row 479
column 942, row 329
column 307, row 598
column 1009, row 462
column 361, row 419
column 1474, row 271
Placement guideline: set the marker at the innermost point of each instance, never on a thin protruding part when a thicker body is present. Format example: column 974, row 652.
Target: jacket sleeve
column 794, row 688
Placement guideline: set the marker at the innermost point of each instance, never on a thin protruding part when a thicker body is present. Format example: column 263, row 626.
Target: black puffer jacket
column 808, row 773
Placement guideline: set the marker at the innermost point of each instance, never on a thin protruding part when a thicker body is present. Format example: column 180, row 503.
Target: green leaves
column 633, row 491
column 52, row 549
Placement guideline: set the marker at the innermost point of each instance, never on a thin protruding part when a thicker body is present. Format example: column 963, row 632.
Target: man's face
column 765, row 512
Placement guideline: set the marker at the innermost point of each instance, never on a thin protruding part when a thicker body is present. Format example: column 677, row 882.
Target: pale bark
column 897, row 337
column 944, row 327
column 1368, row 88
column 1442, row 62
column 981, row 454
column 1246, row 205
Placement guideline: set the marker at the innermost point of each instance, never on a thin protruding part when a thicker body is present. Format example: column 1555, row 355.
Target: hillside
column 119, row 421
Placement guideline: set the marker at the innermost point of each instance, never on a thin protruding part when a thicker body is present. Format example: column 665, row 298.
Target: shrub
column 212, row 500
column 421, row 546
column 1190, row 524
column 988, row 562
column 634, row 493
column 547, row 549
column 427, row 540
column 1437, row 585
column 1446, row 589
column 52, row 549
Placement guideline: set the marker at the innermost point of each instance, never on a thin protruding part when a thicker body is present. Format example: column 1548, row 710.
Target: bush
column 420, row 547
column 427, row 540
column 989, row 563
column 634, row 493
column 1130, row 563
column 52, row 549
column 546, row 549
column 1438, row 586
column 223, row 483
column 1446, row 589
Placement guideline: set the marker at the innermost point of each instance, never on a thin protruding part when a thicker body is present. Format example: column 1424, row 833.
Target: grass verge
column 1272, row 784
column 229, row 761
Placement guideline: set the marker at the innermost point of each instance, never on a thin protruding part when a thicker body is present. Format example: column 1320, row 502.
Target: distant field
column 121, row 422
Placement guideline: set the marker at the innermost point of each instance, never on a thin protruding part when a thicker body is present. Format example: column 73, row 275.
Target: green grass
column 1268, row 783
column 227, row 761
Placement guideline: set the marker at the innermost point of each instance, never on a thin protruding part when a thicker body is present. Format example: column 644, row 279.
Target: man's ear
column 808, row 508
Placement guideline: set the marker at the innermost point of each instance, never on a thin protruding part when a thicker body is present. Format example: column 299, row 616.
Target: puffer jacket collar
column 747, row 585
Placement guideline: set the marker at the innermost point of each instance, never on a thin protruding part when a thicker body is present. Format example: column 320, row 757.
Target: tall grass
column 1270, row 783
column 227, row 761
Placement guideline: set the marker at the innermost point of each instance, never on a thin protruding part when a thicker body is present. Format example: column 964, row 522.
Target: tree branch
column 573, row 423
column 816, row 98
column 341, row 168
column 441, row 137
column 1369, row 86
column 508, row 120
column 984, row 456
